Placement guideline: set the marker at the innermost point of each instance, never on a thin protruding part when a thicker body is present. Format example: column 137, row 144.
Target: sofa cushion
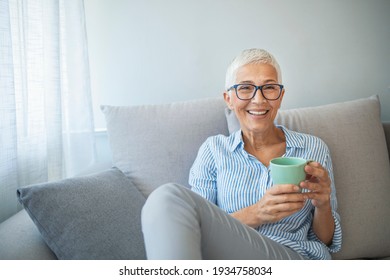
column 354, row 133
column 157, row 144
column 90, row 217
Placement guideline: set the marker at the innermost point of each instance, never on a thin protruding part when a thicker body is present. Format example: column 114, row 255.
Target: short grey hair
column 251, row 56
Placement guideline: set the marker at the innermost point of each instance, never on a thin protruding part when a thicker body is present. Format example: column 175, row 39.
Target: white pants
column 179, row 224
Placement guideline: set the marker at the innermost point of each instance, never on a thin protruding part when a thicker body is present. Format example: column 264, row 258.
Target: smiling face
column 258, row 114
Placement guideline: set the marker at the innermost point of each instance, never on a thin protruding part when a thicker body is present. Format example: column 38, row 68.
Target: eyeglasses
column 248, row 91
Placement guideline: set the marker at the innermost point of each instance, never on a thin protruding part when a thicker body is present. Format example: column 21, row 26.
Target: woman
column 233, row 210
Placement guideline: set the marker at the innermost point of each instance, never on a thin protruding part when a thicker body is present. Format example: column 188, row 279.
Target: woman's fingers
column 281, row 201
column 282, row 189
column 316, row 170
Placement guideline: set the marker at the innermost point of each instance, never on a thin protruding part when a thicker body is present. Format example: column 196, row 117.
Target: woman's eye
column 269, row 87
column 245, row 87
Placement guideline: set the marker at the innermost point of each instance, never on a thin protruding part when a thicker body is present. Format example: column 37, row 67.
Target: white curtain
column 46, row 120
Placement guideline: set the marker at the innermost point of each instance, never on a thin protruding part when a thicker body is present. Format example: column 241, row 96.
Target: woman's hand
column 277, row 203
column 318, row 184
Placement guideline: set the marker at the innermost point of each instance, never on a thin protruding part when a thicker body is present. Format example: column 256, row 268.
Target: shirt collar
column 237, row 140
column 292, row 139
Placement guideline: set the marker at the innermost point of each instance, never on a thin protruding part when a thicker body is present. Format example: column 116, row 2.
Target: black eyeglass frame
column 256, row 88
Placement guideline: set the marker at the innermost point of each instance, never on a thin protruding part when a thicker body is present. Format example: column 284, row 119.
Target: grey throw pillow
column 90, row 217
column 355, row 136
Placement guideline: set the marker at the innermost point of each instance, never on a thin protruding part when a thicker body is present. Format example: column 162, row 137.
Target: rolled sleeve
column 337, row 235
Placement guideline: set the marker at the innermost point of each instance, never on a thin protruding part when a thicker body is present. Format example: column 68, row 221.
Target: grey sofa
column 96, row 216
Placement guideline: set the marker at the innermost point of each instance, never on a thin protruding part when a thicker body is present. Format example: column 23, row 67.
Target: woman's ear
column 228, row 100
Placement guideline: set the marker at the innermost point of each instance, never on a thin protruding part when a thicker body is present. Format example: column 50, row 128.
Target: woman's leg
column 179, row 224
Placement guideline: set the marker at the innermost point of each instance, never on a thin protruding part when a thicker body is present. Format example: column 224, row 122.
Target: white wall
column 153, row 51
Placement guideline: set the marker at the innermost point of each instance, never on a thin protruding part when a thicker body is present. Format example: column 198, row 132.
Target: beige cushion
column 157, row 144
column 354, row 133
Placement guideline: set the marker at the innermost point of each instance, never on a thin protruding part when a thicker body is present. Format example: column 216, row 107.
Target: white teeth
column 257, row 113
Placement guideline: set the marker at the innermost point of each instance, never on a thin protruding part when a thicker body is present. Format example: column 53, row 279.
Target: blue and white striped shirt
column 225, row 174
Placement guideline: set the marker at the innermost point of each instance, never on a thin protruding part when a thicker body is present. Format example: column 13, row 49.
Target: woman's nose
column 258, row 98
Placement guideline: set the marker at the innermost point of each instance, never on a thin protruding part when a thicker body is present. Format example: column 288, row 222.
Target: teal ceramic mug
column 288, row 170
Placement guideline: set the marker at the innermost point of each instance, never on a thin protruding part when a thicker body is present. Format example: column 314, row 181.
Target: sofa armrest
column 21, row 240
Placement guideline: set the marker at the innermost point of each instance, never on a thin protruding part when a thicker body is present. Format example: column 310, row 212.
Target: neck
column 259, row 140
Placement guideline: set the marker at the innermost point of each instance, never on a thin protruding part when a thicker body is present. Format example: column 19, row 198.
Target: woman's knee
column 162, row 200
column 164, row 193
